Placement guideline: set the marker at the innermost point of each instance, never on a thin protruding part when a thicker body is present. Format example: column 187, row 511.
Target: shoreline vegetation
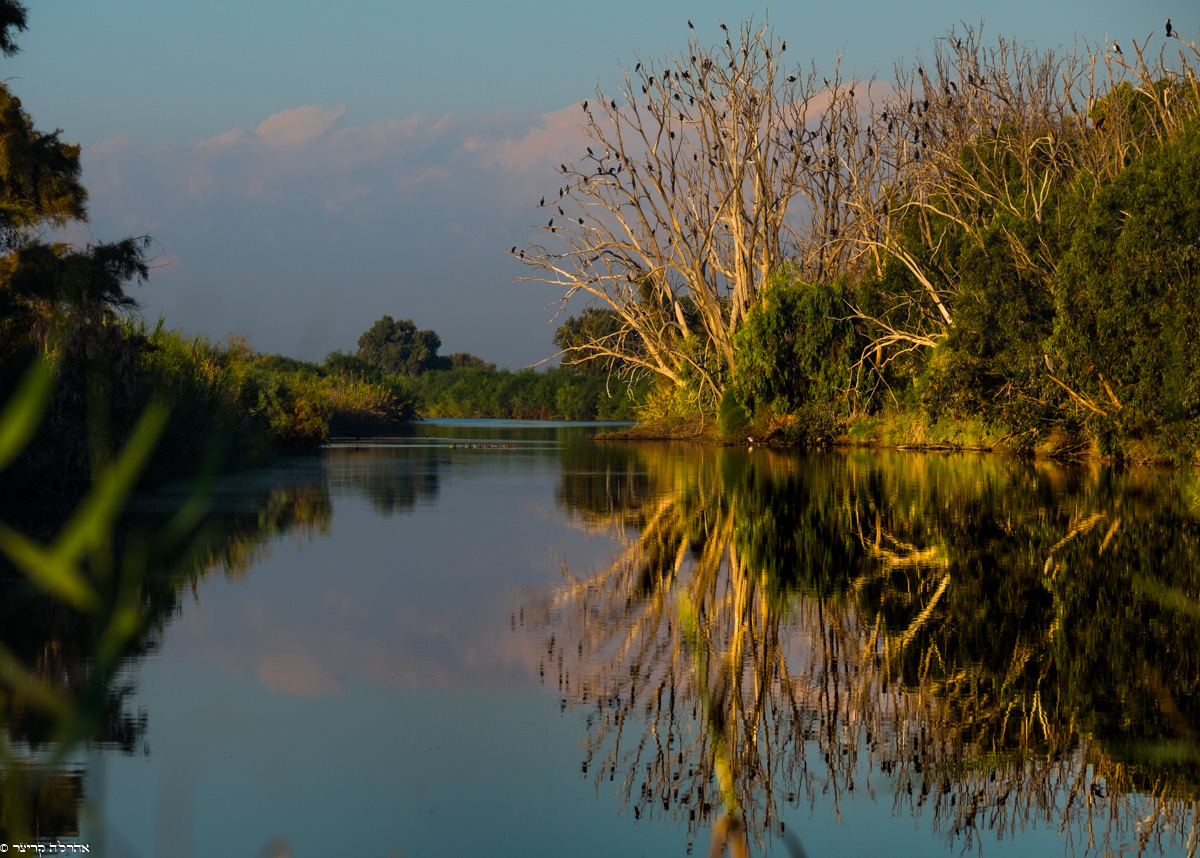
column 998, row 249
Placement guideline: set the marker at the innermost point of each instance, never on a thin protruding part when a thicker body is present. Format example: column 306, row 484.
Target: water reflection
column 994, row 644
column 56, row 693
column 393, row 483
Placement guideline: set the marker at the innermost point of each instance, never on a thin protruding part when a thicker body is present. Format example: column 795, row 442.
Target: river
column 500, row 638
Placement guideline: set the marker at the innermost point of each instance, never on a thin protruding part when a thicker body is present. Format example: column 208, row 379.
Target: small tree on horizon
column 398, row 348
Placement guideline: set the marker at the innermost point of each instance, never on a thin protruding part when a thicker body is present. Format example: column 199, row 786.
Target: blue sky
column 308, row 167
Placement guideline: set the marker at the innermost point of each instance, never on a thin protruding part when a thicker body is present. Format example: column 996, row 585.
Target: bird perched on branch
column 1117, row 49
column 1169, row 28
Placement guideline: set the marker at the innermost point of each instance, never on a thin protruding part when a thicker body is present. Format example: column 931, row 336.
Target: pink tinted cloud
column 553, row 137
column 300, row 125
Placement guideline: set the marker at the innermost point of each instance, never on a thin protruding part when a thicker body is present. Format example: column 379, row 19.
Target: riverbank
column 901, row 431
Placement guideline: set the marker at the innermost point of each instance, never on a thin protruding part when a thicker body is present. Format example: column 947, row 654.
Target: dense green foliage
column 1127, row 303
column 556, row 393
column 796, row 354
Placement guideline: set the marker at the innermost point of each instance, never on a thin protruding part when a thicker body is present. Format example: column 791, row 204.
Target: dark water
column 443, row 645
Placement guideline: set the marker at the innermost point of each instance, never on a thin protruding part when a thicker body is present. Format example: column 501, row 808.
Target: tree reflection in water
column 996, row 644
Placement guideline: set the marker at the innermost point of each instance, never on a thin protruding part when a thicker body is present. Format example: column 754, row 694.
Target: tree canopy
column 398, row 348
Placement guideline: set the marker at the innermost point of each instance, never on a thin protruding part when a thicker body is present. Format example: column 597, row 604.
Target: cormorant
column 690, row 27
column 1168, row 28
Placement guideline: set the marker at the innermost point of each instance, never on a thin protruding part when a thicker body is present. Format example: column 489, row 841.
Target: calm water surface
column 444, row 645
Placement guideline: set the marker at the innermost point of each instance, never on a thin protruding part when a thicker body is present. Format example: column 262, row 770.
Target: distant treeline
column 464, row 385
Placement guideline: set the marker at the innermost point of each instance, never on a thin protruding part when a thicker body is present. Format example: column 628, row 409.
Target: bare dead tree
column 682, row 205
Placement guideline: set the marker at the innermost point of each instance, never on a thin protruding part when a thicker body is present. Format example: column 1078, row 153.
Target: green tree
column 1127, row 297
column 39, row 188
column 398, row 348
column 585, row 338
column 795, row 348
column 464, row 360
column 12, row 17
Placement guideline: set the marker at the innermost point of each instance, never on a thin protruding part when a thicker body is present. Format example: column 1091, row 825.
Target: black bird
column 1117, row 49
column 560, row 211
column 542, row 203
column 585, row 104
column 637, row 68
column 564, row 167
column 514, row 249
column 690, row 27
column 791, row 78
column 1168, row 28
column 783, row 46
column 581, row 221
column 723, row 27
column 551, row 223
